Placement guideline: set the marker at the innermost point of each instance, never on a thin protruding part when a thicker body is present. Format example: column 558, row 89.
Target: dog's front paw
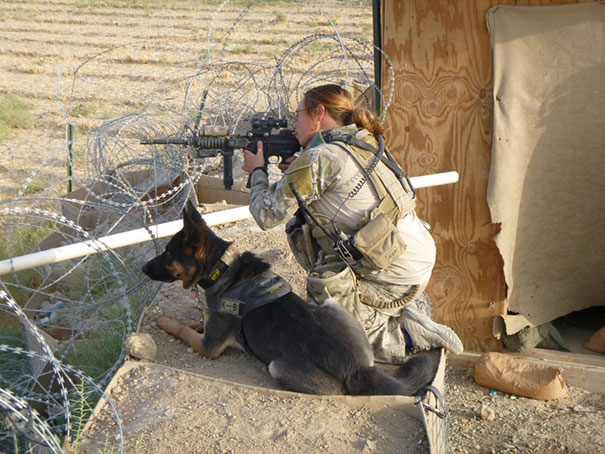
column 170, row 325
column 195, row 324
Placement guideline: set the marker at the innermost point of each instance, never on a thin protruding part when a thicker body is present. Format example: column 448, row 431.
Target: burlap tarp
column 547, row 176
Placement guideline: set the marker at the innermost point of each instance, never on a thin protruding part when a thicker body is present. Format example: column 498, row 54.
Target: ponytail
column 339, row 104
column 363, row 118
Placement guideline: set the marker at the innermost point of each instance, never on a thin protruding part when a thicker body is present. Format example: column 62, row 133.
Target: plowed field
column 85, row 61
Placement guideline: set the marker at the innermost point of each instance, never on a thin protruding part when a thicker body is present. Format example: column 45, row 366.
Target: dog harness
column 241, row 299
column 247, row 296
column 244, row 297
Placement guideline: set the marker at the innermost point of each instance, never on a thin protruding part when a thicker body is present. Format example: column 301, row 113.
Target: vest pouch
column 379, row 241
column 302, row 244
column 334, row 280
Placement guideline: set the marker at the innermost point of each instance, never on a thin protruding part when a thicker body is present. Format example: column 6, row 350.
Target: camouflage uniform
column 324, row 175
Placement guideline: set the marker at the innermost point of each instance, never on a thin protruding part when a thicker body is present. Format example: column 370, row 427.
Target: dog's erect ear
column 192, row 215
column 192, row 220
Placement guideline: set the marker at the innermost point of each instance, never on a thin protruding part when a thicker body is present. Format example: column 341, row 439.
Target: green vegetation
column 148, row 5
column 82, row 408
column 82, row 110
column 273, row 53
column 316, row 46
column 34, row 186
column 246, row 50
column 14, row 113
column 286, row 3
column 118, row 3
column 78, row 156
column 95, row 356
column 12, row 335
column 24, row 240
column 366, row 34
column 280, row 16
column 134, row 109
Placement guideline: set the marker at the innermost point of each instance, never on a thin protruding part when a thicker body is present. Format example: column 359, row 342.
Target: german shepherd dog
column 308, row 348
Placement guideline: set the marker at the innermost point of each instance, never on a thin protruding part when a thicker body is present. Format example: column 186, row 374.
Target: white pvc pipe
column 435, row 179
column 115, row 241
column 131, row 237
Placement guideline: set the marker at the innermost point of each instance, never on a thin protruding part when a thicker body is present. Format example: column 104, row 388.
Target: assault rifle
column 277, row 141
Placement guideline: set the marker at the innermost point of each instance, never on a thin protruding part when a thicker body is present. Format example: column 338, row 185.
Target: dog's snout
column 146, row 268
column 157, row 271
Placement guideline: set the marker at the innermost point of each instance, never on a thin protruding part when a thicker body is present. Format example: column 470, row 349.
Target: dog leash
column 421, row 398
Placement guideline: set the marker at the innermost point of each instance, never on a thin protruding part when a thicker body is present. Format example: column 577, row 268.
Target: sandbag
column 597, row 342
column 523, row 378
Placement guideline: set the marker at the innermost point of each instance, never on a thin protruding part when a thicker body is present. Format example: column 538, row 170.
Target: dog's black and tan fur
column 307, row 348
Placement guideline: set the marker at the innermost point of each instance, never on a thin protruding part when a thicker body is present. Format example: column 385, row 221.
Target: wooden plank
column 584, row 371
column 440, row 119
column 565, row 357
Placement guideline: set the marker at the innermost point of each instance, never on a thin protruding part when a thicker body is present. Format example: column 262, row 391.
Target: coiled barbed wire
column 44, row 372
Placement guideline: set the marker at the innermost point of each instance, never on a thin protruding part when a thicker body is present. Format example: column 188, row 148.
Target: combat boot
column 424, row 333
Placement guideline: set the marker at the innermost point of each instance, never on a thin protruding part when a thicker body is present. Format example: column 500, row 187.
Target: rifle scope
column 259, row 123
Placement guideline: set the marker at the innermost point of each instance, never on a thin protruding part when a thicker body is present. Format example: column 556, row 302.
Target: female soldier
column 360, row 239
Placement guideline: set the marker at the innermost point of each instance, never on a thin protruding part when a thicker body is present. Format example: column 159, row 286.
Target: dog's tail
column 417, row 373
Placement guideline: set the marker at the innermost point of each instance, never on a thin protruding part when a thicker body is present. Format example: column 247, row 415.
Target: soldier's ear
column 321, row 111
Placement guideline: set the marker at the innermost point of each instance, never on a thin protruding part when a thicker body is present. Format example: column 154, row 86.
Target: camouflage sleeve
column 268, row 205
column 311, row 173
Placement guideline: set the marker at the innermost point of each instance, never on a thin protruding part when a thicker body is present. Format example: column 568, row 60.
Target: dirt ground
column 37, row 39
column 479, row 420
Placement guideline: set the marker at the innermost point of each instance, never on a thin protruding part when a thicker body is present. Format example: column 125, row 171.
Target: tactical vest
column 250, row 294
column 378, row 239
column 396, row 194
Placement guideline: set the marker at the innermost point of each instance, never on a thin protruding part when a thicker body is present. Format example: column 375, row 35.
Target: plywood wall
column 441, row 120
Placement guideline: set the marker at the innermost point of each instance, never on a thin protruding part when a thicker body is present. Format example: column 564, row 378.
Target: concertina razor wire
column 64, row 324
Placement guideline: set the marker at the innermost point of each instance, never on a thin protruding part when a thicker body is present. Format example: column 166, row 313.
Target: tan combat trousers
column 382, row 324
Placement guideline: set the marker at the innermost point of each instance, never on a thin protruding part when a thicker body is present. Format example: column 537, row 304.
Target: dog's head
column 186, row 254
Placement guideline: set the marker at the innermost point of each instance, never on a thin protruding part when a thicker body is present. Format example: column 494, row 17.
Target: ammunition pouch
column 379, row 241
column 373, row 247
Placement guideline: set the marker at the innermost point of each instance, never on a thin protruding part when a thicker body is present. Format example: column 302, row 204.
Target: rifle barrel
column 165, row 141
column 200, row 143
